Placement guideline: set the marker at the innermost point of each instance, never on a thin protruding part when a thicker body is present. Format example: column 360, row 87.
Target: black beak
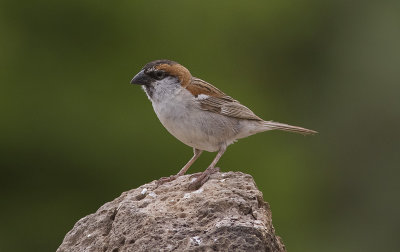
column 141, row 79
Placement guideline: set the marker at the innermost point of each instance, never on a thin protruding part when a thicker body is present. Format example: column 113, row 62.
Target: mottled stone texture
column 227, row 213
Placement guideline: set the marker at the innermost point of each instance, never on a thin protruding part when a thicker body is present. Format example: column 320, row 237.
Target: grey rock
column 227, row 213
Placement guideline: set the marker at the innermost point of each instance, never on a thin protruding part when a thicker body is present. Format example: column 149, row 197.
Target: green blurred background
column 75, row 134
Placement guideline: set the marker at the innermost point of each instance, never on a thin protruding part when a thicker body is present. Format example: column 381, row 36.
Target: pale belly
column 197, row 128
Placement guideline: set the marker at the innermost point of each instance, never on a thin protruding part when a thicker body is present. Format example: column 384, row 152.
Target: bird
column 199, row 114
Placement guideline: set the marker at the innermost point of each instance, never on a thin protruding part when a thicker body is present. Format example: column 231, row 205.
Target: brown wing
column 214, row 100
column 227, row 107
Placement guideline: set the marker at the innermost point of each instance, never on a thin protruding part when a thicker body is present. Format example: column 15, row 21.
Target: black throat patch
column 149, row 89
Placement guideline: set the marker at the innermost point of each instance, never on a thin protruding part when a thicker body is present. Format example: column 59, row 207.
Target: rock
column 227, row 213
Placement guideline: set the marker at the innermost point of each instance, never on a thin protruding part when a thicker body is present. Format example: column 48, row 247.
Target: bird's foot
column 202, row 178
column 166, row 179
column 195, row 175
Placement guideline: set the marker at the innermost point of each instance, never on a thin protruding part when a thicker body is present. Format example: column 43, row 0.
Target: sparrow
column 199, row 114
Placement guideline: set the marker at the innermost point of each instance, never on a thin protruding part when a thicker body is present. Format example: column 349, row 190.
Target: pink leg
column 206, row 174
column 197, row 154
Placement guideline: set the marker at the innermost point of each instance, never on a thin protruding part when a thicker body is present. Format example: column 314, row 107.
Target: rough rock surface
column 227, row 213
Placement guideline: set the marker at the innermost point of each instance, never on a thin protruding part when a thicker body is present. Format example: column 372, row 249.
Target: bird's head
column 162, row 76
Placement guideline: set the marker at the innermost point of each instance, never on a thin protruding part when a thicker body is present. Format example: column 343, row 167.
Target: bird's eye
column 159, row 75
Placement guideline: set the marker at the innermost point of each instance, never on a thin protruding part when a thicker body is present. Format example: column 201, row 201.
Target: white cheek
column 165, row 89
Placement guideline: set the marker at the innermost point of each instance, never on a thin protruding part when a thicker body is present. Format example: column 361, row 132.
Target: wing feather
column 214, row 100
column 228, row 107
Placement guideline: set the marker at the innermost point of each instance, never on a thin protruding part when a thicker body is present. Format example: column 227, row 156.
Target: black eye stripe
column 156, row 74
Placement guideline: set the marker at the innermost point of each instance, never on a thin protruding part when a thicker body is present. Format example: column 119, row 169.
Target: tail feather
column 286, row 127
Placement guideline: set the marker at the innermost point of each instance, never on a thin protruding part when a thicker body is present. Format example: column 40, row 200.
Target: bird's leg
column 196, row 154
column 203, row 177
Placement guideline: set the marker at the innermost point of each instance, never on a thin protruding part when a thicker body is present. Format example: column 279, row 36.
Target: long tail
column 286, row 127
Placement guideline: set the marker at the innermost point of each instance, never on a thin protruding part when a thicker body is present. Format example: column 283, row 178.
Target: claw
column 166, row 179
column 195, row 175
